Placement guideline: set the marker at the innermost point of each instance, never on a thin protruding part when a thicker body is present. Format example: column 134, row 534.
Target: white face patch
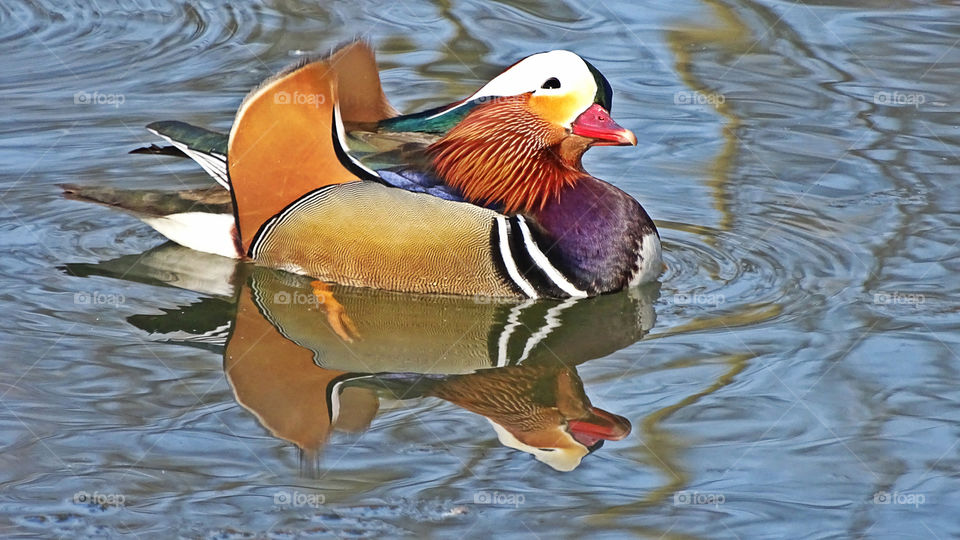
column 554, row 73
column 560, row 459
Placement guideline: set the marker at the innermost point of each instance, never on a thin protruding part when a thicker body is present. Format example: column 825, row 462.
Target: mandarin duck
column 484, row 196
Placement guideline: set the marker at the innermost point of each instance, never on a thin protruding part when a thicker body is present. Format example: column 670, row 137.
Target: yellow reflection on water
column 731, row 34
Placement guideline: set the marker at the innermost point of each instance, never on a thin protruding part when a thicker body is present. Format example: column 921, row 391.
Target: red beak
column 595, row 123
column 601, row 425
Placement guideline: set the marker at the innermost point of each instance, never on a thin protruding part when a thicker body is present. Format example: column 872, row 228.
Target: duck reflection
column 307, row 358
column 539, row 409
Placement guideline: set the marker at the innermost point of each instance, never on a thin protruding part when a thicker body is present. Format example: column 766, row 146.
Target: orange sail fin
column 285, row 143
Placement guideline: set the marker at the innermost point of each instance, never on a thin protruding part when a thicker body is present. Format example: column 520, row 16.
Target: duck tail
column 200, row 219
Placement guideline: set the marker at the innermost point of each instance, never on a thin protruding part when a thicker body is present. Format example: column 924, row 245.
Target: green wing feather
column 376, row 150
column 196, row 138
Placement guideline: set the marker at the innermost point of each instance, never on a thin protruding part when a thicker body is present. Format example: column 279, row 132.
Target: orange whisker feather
column 503, row 153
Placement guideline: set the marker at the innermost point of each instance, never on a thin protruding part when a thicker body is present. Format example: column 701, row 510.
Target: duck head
column 538, row 409
column 519, row 139
column 563, row 446
column 566, row 91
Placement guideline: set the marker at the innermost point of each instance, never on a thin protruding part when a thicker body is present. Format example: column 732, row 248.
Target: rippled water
column 794, row 374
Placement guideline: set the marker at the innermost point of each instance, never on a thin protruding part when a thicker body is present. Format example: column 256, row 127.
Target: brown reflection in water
column 663, row 450
column 278, row 381
column 291, row 365
column 307, row 359
column 539, row 409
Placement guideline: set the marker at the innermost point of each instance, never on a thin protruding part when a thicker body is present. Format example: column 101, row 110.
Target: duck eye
column 552, row 82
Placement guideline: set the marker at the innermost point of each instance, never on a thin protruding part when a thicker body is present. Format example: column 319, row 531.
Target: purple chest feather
column 592, row 231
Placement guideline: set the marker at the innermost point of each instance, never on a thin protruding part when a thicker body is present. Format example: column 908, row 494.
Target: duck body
column 486, row 196
column 341, row 232
column 591, row 240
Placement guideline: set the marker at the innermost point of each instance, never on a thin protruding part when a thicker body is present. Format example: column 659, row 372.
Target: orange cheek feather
column 560, row 110
column 505, row 152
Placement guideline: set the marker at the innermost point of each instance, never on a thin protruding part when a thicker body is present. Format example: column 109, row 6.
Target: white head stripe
column 530, row 74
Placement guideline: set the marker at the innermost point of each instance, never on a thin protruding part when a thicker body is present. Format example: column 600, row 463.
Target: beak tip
column 595, row 123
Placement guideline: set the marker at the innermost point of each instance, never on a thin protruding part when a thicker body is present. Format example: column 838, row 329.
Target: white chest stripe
column 544, row 263
column 513, row 321
column 508, row 261
column 551, row 320
column 335, row 401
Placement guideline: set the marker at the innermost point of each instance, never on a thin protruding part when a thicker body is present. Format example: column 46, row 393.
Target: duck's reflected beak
column 595, row 123
column 598, row 426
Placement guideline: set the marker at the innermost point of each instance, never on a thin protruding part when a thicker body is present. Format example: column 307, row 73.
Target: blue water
column 794, row 374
